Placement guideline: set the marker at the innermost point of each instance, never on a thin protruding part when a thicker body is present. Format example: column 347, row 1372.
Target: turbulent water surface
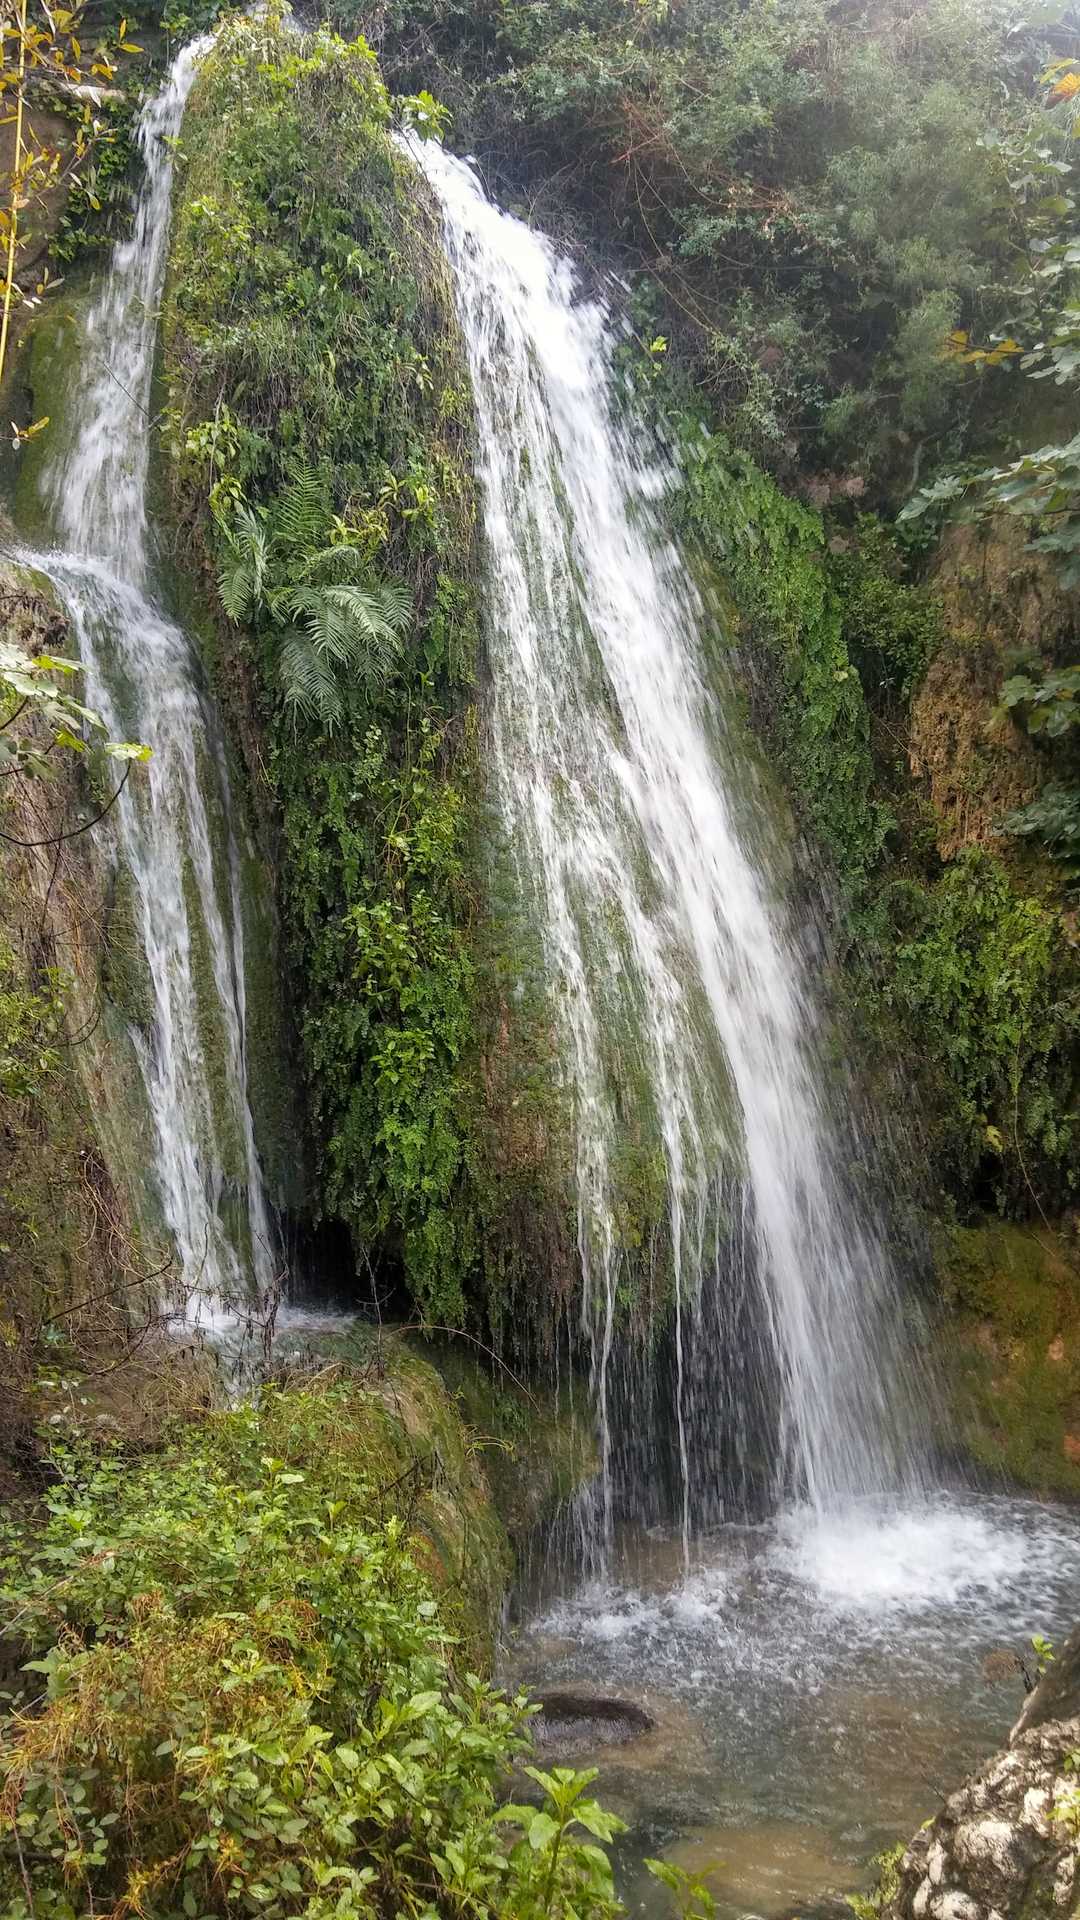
column 818, row 1685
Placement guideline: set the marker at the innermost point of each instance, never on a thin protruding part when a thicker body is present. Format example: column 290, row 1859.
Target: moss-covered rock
column 538, row 1445
column 1012, row 1350
column 999, row 600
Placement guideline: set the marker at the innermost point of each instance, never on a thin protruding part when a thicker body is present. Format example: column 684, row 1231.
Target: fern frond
column 329, row 630
column 374, row 618
column 329, row 565
column 308, row 682
column 242, row 573
column 357, row 627
column 303, row 511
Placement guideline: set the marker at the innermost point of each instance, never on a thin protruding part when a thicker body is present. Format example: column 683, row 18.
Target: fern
column 242, row 574
column 338, row 624
column 303, row 512
column 308, row 683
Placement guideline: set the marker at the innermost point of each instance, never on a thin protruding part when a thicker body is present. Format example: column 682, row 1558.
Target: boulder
column 1006, row 1845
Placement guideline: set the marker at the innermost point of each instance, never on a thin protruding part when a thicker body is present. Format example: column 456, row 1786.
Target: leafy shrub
column 983, row 969
column 240, row 1698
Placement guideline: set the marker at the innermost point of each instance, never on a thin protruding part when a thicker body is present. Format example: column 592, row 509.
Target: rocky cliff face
column 1007, row 1843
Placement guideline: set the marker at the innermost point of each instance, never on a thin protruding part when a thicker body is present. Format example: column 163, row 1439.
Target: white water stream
column 173, row 823
column 643, row 850
column 817, row 1678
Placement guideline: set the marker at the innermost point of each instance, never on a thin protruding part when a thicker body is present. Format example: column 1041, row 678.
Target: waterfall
column 643, row 847
column 173, row 830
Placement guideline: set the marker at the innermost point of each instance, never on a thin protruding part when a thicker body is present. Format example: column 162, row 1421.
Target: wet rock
column 576, row 1722
column 1006, row 1845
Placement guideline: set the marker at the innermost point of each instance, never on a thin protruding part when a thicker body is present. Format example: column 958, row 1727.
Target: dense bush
column 987, row 972
column 239, row 1698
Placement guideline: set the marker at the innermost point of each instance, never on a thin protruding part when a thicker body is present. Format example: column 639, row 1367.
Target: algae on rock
column 1012, row 1350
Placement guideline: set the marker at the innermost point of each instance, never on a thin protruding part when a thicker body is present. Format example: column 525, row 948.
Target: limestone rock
column 1006, row 1845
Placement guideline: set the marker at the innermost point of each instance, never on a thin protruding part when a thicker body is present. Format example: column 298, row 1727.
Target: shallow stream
column 818, row 1686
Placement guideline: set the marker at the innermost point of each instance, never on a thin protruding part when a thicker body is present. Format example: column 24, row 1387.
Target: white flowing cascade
column 141, row 677
column 631, row 815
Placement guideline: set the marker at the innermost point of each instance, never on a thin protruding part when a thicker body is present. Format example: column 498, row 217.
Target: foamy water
column 824, row 1673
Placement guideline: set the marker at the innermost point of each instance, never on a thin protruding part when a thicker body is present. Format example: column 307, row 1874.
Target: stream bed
column 817, row 1685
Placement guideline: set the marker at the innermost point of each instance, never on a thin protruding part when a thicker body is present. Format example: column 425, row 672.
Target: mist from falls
column 173, row 824
column 640, row 836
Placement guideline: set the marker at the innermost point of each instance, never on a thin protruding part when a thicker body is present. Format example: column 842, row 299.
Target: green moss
column 537, row 1446
column 124, row 972
column 52, row 368
column 811, row 704
column 271, row 1091
column 1012, row 1351
column 228, row 1145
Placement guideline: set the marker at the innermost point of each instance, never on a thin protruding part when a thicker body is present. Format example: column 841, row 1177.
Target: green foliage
column 1053, row 819
column 891, row 628
column 1043, row 1649
column 984, row 969
column 1047, row 700
column 318, row 403
column 30, row 1025
column 100, row 196
column 551, row 1839
column 960, row 952
column 240, row 1693
column 296, row 568
column 774, row 555
column 1036, row 165
column 31, row 692
column 809, row 189
column 695, row 1900
column 886, row 1888
column 390, row 1057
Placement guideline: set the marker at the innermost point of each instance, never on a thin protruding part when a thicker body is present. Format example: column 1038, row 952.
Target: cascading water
column 173, row 823
column 629, row 806
column 808, row 1672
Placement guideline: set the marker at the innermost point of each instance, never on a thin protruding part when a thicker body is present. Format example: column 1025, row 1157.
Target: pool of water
column 817, row 1685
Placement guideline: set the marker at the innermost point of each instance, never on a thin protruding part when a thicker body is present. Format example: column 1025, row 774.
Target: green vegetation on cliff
column 803, row 185
column 1013, row 1357
column 960, row 966
column 309, row 341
